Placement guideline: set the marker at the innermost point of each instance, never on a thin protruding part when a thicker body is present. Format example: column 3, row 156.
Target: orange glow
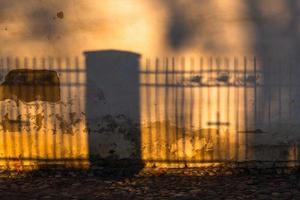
column 40, row 132
column 190, row 115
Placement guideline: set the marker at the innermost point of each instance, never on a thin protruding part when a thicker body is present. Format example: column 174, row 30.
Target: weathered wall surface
column 238, row 27
column 148, row 27
column 42, row 112
column 219, row 109
column 113, row 103
column 167, row 106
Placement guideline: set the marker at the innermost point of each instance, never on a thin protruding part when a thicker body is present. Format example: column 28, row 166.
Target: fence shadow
column 42, row 121
column 218, row 110
column 195, row 111
column 70, row 112
column 114, row 109
column 276, row 44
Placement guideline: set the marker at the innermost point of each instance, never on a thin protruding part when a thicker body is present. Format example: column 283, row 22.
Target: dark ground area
column 151, row 184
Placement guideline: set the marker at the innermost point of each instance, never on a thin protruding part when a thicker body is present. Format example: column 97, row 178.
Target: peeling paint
column 10, row 125
column 164, row 141
column 117, row 137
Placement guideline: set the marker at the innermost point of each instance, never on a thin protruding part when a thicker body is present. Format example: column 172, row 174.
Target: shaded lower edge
column 81, row 163
column 29, row 164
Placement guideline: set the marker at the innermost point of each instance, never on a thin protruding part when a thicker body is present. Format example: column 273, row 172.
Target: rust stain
column 180, row 143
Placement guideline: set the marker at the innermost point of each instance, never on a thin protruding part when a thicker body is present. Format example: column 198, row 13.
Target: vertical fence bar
column 201, row 106
column 290, row 81
column 182, row 107
column 148, row 106
column 210, row 78
column 245, row 107
column 166, row 107
column 57, row 113
column 62, row 70
column 78, row 90
column 68, row 70
column 192, row 106
column 218, row 68
column 7, row 117
column 51, row 89
column 269, row 86
column 279, row 83
column 255, row 92
column 176, row 103
column 237, row 106
column 48, row 88
column 34, row 107
column 27, row 118
column 157, row 105
column 3, row 159
column 19, row 119
column 41, row 137
column 227, row 132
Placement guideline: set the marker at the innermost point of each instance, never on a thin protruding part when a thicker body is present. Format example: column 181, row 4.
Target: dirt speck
column 60, row 15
